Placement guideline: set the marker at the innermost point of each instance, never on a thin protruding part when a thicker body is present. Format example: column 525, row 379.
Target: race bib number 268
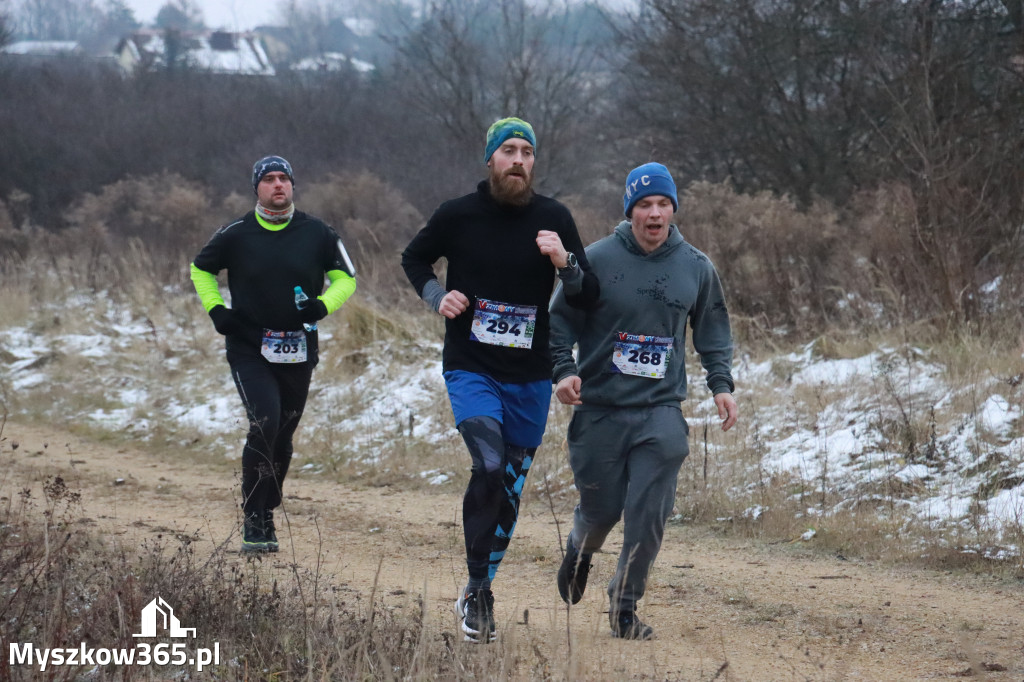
column 641, row 355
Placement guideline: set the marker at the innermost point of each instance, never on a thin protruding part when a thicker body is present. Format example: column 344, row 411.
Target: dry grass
column 899, row 423
column 63, row 584
column 162, row 359
column 59, row 580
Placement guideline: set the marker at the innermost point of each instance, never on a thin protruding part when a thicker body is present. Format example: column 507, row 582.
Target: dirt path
column 728, row 610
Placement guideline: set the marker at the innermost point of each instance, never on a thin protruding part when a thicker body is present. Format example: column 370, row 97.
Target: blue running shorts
column 522, row 409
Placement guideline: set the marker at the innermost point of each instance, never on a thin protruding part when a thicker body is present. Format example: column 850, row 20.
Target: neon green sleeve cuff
column 342, row 286
column 206, row 286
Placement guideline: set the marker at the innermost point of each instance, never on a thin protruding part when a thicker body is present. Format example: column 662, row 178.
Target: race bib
column 641, row 355
column 503, row 324
column 284, row 346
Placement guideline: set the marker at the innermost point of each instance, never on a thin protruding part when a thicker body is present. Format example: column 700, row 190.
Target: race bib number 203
column 284, row 347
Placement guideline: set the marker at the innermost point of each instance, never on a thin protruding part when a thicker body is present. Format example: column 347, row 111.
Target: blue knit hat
column 505, row 128
column 269, row 164
column 646, row 180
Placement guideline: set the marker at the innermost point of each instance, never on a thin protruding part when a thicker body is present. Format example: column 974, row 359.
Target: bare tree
column 952, row 139
column 57, row 19
column 6, row 32
column 831, row 98
column 117, row 22
column 471, row 62
column 772, row 95
column 312, row 26
column 180, row 15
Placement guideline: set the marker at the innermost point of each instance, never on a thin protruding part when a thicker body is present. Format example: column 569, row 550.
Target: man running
column 271, row 254
column 628, row 438
column 504, row 245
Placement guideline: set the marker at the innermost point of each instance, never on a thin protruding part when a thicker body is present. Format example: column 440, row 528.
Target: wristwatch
column 570, row 263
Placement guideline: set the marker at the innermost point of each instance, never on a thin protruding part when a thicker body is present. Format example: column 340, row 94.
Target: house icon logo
column 159, row 613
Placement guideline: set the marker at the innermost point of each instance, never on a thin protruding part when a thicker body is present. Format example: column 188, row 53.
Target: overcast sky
column 233, row 15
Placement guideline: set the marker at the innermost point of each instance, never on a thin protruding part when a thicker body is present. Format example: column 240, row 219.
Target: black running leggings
column 274, row 396
column 490, row 507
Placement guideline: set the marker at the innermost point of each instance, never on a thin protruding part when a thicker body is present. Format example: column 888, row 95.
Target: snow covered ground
column 967, row 467
column 889, row 420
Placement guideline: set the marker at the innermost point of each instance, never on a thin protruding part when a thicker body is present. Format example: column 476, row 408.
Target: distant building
column 364, row 28
column 216, row 52
column 329, row 62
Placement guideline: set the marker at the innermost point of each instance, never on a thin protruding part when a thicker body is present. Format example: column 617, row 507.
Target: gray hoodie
column 642, row 296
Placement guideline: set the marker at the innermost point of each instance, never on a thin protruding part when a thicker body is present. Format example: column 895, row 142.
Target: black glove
column 225, row 320
column 314, row 310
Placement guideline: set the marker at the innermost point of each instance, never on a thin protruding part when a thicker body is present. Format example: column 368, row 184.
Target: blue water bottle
column 301, row 301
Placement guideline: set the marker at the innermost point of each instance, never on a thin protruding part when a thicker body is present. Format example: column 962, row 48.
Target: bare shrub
column 167, row 213
column 235, row 204
column 777, row 263
column 6, row 224
column 374, row 221
column 594, row 219
column 918, row 275
column 12, row 242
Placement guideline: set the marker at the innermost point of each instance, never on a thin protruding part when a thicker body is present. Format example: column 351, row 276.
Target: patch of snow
column 997, row 415
column 435, row 477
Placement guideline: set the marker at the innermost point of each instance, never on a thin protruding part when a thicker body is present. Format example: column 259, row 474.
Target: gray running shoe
column 626, row 625
column 572, row 574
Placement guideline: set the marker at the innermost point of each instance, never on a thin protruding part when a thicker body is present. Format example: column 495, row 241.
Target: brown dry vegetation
column 364, row 585
column 105, row 272
column 891, row 225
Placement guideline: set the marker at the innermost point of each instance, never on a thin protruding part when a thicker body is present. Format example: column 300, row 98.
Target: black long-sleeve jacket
column 492, row 254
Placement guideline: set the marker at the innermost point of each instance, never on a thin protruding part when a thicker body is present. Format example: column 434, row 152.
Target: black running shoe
column 626, row 625
column 254, row 536
column 269, row 531
column 475, row 609
column 572, row 574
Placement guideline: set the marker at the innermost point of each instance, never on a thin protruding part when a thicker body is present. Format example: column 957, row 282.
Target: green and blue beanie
column 505, row 128
column 646, row 180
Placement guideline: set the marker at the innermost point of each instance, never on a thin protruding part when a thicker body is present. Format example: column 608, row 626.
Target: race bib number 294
column 503, row 324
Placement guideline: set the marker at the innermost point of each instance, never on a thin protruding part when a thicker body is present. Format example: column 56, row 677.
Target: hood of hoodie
column 624, row 232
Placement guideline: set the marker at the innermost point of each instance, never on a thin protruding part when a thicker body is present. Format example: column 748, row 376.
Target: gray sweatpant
column 625, row 462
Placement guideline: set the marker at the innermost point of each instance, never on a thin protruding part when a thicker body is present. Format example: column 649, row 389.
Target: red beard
column 514, row 186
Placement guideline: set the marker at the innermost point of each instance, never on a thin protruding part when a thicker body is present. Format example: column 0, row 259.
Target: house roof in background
column 214, row 51
column 333, row 61
column 43, row 48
